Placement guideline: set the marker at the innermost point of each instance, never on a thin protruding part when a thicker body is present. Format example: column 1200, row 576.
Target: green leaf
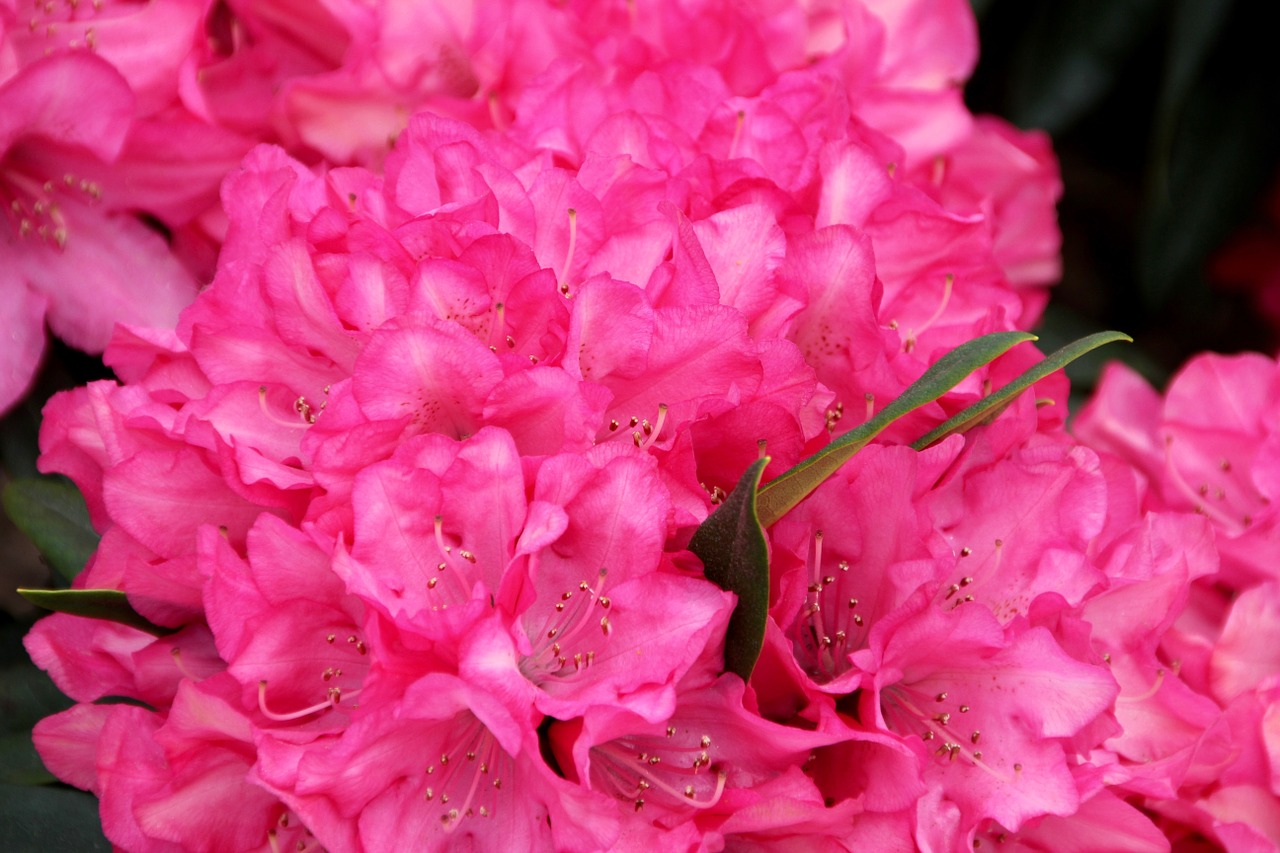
column 1195, row 28
column 733, row 551
column 1072, row 57
column 984, row 410
column 1211, row 155
column 778, row 496
column 20, row 764
column 40, row 819
column 20, row 437
column 27, row 695
column 981, row 7
column 109, row 604
column 52, row 514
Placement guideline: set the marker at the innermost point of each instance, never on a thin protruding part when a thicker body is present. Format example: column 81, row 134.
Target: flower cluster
column 121, row 120
column 408, row 490
column 1209, row 450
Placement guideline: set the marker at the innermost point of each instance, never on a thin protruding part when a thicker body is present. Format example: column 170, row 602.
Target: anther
column 568, row 256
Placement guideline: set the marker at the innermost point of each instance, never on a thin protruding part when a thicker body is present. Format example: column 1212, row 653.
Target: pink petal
column 72, row 99
column 22, row 313
column 111, row 269
column 68, row 744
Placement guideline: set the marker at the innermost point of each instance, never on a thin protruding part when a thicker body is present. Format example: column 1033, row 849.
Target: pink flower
column 1209, row 446
column 414, row 476
column 175, row 781
column 68, row 253
column 1011, row 178
column 995, row 707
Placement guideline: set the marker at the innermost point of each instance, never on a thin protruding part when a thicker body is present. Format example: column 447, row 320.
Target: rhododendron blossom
column 406, row 498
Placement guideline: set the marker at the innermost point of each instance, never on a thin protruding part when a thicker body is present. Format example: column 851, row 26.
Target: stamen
column 899, row 699
column 495, row 112
column 939, row 170
column 633, row 772
column 497, row 329
column 1185, row 489
column 177, row 660
column 262, row 404
column 568, row 258
column 566, row 624
column 652, row 432
column 737, row 134
column 912, row 336
column 1151, row 691
column 334, row 696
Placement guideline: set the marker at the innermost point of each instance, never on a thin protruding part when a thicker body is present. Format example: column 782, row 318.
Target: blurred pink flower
column 68, row 252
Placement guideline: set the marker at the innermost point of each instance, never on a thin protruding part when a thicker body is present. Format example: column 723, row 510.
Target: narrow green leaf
column 733, row 551
column 38, row 819
column 778, row 496
column 109, row 604
column 51, row 513
column 988, row 407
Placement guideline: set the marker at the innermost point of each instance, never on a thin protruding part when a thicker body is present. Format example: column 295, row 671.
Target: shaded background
column 1166, row 117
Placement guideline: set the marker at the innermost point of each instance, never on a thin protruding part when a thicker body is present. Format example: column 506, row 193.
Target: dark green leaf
column 1209, row 155
column 981, row 7
column 733, row 551
column 52, row 514
column 20, row 764
column 1073, row 56
column 109, row 604
column 26, row 696
column 40, row 819
column 1195, row 27
column 20, row 438
column 779, row 495
column 993, row 404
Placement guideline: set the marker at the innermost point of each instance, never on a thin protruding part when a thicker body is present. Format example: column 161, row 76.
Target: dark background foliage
column 1166, row 117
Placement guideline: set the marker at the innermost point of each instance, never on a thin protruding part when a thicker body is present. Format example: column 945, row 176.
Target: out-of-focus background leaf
column 46, row 548
column 50, row 511
column 26, row 696
column 44, row 819
column 1166, row 118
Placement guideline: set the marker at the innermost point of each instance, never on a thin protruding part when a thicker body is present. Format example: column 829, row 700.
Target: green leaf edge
column 993, row 404
column 111, row 605
column 744, row 635
column 79, row 539
column 781, row 494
